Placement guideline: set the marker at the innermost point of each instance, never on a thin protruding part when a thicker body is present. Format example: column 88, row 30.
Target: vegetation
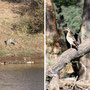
column 69, row 14
column 36, row 23
column 32, row 16
column 23, row 21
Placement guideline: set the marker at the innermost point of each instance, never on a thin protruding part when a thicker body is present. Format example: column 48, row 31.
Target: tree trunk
column 51, row 29
column 84, row 35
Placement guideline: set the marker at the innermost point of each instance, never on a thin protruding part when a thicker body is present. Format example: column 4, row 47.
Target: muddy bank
column 21, row 59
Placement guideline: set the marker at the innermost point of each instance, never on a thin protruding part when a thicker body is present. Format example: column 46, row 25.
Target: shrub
column 69, row 13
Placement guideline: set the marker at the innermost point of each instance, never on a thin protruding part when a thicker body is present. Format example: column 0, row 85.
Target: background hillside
column 21, row 20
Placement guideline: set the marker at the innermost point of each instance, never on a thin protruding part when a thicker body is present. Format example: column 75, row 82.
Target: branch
column 71, row 54
column 57, row 83
column 79, row 83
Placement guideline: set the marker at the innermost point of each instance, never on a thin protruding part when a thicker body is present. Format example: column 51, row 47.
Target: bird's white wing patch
column 70, row 40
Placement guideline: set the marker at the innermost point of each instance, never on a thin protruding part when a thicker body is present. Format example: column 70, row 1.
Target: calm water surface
column 21, row 77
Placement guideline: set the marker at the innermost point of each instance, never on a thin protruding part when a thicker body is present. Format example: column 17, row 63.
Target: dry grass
column 28, row 45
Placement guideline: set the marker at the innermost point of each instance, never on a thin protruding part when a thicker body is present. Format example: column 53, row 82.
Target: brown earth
column 21, row 59
column 28, row 45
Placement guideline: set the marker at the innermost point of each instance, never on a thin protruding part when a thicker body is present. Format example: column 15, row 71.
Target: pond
column 22, row 77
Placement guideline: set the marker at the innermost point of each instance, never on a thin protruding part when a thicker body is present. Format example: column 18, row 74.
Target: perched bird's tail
column 76, row 44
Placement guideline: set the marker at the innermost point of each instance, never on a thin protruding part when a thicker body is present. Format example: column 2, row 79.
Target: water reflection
column 21, row 77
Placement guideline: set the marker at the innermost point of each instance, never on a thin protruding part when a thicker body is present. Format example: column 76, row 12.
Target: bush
column 36, row 23
column 32, row 16
column 69, row 13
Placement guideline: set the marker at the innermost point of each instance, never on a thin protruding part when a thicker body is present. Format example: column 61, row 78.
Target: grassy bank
column 22, row 21
column 28, row 47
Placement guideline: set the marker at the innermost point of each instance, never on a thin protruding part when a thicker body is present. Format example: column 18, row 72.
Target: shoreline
column 21, row 60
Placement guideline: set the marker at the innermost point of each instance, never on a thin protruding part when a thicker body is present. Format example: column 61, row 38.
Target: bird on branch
column 70, row 38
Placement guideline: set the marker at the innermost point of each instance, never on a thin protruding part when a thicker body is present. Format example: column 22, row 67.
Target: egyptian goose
column 70, row 38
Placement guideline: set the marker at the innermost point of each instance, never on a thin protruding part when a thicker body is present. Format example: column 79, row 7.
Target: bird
column 70, row 38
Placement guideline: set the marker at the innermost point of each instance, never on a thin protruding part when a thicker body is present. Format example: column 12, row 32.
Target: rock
column 29, row 62
column 10, row 41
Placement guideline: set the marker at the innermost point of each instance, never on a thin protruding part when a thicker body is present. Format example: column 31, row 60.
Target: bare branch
column 78, row 83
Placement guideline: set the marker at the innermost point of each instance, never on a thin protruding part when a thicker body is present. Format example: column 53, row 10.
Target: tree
column 51, row 29
column 83, row 52
column 86, row 22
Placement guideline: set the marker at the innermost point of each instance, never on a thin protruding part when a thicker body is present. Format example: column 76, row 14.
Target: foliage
column 32, row 16
column 36, row 23
column 69, row 13
column 72, row 17
column 65, row 2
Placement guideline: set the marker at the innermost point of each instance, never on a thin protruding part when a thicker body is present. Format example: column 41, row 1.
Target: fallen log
column 71, row 54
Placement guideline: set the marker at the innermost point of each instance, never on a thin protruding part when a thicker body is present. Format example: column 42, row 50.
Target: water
column 22, row 77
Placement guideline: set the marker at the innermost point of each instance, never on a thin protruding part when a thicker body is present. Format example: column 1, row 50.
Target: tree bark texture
column 54, row 84
column 86, row 34
column 51, row 29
